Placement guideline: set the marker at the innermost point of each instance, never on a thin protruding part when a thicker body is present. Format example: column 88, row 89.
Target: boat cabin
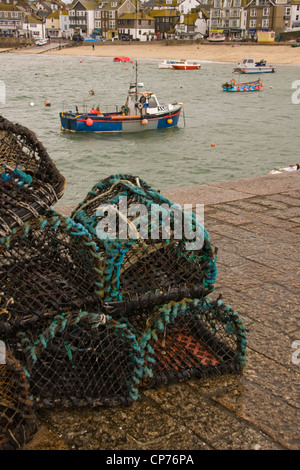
column 142, row 102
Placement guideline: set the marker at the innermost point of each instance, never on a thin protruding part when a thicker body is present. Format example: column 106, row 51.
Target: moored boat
column 41, row 42
column 216, row 37
column 254, row 85
column 285, row 169
column 180, row 64
column 141, row 111
column 187, row 65
column 250, row 66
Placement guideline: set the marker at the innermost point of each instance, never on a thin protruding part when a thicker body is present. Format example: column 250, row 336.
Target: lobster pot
column 17, row 419
column 192, row 339
column 81, row 359
column 48, row 266
column 143, row 239
column 30, row 183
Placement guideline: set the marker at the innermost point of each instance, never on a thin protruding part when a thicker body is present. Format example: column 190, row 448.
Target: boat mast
column 136, row 81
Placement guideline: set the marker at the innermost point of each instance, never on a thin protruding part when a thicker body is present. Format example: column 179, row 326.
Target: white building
column 186, row 6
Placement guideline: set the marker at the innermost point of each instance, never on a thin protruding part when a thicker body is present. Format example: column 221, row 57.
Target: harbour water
column 252, row 132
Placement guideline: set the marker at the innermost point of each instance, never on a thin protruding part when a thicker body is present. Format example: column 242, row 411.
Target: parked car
column 78, row 37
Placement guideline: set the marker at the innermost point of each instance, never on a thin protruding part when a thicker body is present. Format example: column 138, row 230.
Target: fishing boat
column 141, row 111
column 180, row 64
column 254, row 85
column 285, row 169
column 250, row 66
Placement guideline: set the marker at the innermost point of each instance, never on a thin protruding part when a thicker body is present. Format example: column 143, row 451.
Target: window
column 252, row 23
column 266, row 12
column 217, row 3
column 234, row 23
column 227, row 3
column 253, row 12
column 235, row 13
column 265, row 23
column 287, row 11
column 215, row 14
column 236, row 3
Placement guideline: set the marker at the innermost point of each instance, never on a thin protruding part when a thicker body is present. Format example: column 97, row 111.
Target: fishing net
column 29, row 181
column 97, row 307
column 140, row 233
column 79, row 358
column 159, row 279
column 47, row 266
column 17, row 419
column 192, row 339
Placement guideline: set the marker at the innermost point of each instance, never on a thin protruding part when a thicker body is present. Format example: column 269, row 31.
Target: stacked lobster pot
column 157, row 278
column 57, row 346
column 100, row 305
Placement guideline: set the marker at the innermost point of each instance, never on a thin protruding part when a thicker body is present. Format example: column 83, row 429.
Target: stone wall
column 15, row 42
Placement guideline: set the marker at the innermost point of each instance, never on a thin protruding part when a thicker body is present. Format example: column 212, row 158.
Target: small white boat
column 284, row 170
column 217, row 37
column 41, row 42
column 180, row 64
column 250, row 66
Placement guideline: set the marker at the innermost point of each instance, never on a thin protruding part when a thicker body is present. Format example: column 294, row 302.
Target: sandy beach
column 275, row 54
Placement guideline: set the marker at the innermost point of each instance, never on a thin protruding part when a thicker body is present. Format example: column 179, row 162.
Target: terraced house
column 228, row 16
column 57, row 24
column 81, row 17
column 165, row 21
column 11, row 20
column 107, row 14
column 137, row 26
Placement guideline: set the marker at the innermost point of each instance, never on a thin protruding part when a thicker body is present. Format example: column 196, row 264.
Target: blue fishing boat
column 255, row 85
column 141, row 111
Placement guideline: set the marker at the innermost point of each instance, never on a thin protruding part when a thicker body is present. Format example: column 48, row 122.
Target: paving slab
column 255, row 223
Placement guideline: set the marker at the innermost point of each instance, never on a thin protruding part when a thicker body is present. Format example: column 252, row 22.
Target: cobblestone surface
column 255, row 223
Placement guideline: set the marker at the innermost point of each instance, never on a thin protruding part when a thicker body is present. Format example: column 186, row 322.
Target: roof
column 5, row 7
column 136, row 16
column 190, row 19
column 88, row 5
column 55, row 14
column 156, row 13
column 34, row 19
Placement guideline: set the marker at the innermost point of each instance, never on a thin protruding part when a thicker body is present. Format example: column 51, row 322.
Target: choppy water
column 252, row 132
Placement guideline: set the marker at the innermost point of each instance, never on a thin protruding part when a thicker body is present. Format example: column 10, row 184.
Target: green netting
column 143, row 240
column 30, row 183
column 97, row 307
